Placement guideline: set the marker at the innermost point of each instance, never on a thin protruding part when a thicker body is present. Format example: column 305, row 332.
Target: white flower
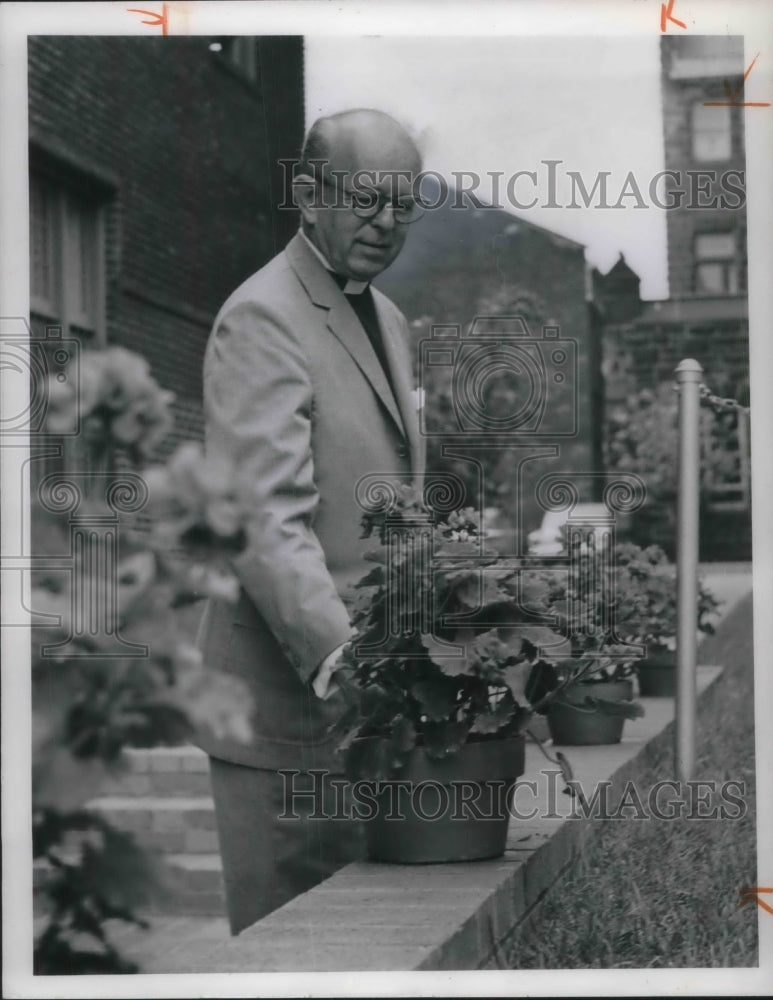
column 224, row 516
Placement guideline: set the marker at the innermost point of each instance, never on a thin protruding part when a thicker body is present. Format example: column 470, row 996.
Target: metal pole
column 688, row 377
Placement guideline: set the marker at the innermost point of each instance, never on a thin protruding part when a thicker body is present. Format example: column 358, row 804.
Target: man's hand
column 323, row 683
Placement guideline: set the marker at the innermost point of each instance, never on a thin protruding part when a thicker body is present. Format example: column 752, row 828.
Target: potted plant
column 594, row 680
column 647, row 614
column 592, row 709
column 436, row 677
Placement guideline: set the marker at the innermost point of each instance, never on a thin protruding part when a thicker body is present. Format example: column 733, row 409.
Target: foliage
column 454, row 643
column 92, row 874
column 114, row 400
column 646, row 597
column 642, row 437
column 137, row 679
column 616, row 603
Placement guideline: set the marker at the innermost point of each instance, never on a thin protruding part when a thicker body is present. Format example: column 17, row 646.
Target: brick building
column 153, row 186
column 706, row 315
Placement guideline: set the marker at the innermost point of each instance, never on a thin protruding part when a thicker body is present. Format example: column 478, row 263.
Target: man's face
column 358, row 247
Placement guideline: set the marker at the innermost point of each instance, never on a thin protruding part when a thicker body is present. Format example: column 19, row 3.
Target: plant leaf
column 494, row 719
column 450, row 657
column 541, row 681
column 437, row 697
column 517, row 679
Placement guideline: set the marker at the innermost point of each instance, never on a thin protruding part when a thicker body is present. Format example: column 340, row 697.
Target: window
column 66, row 267
column 711, row 133
column 67, row 282
column 716, row 264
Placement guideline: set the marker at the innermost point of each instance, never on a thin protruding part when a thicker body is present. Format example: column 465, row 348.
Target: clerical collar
column 352, row 286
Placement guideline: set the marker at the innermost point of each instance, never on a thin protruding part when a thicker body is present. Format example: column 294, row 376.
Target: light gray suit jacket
column 294, row 393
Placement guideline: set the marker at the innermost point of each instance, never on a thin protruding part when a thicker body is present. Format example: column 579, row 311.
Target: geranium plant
column 620, row 605
column 646, row 597
column 589, row 600
column 448, row 639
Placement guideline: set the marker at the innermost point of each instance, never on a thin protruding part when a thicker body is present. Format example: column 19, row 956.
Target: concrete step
column 196, row 886
column 161, row 771
column 163, row 797
column 172, row 825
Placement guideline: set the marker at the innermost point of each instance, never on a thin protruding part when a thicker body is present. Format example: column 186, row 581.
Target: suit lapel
column 344, row 325
column 399, row 365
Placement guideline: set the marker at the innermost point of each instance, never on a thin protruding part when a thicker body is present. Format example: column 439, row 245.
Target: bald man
column 307, row 387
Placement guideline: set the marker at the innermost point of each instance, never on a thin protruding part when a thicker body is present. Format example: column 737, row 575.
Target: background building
column 154, row 187
column 706, row 315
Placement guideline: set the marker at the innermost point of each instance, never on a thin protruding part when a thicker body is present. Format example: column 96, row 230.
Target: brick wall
column 179, row 148
column 679, row 96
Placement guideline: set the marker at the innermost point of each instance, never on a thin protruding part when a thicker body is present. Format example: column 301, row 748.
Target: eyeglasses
column 368, row 204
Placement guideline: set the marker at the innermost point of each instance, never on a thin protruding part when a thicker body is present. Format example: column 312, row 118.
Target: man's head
column 355, row 163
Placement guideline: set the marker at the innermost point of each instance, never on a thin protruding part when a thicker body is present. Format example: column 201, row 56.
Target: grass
column 664, row 894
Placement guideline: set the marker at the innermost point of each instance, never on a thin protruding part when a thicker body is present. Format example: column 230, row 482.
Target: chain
column 719, row 404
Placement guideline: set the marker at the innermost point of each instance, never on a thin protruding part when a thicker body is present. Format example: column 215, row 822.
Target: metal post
column 688, row 377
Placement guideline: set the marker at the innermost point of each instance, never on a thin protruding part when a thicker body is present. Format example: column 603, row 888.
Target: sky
column 506, row 104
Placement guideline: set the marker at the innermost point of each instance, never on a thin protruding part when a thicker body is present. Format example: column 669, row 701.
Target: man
column 307, row 389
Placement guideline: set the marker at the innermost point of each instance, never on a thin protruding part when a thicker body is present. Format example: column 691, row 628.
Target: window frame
column 730, row 265
column 711, row 114
column 69, row 204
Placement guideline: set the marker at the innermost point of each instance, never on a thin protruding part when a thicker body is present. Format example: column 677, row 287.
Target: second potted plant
column 646, row 582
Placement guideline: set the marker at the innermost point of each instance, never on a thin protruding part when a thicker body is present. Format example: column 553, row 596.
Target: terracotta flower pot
column 657, row 674
column 571, row 723
column 455, row 809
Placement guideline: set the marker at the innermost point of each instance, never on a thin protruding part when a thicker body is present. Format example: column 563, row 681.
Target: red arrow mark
column 751, row 895
column 157, row 19
column 733, row 94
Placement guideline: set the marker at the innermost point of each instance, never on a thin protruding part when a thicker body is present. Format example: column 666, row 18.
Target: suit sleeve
column 258, row 404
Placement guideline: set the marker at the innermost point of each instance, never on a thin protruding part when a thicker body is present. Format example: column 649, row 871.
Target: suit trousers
column 280, row 833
